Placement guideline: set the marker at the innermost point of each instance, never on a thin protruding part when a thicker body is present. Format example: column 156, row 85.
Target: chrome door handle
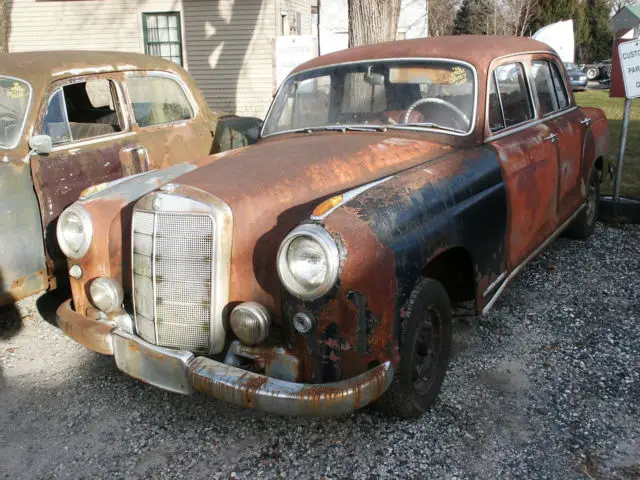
column 553, row 138
column 586, row 121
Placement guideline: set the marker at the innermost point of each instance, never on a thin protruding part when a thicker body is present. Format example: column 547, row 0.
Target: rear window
column 158, row 100
column 549, row 87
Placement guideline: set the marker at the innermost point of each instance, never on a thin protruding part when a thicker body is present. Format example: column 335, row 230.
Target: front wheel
column 424, row 352
column 585, row 223
column 592, row 73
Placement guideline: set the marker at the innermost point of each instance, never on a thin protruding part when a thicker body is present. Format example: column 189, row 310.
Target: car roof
column 478, row 50
column 46, row 66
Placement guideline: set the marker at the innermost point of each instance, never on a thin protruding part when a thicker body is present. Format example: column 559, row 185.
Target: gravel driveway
column 545, row 386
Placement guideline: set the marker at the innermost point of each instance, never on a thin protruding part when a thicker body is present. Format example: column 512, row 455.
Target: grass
column 614, row 110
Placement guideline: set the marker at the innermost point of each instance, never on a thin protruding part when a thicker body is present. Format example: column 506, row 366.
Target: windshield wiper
column 343, row 128
column 427, row 125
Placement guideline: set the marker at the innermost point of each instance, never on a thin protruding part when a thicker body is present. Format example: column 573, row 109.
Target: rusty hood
column 273, row 186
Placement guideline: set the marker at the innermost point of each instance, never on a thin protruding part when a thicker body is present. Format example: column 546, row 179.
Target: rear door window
column 158, row 100
column 513, row 94
column 550, row 88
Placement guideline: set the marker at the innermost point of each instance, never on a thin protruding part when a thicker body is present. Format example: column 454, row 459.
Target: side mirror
column 41, row 144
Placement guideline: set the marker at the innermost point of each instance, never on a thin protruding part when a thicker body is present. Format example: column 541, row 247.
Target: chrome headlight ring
column 74, row 231
column 324, row 268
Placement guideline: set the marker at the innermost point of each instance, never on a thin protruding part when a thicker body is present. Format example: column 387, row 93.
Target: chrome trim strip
column 380, row 60
column 27, row 112
column 533, row 254
column 494, row 284
column 83, row 143
column 523, row 126
column 195, row 110
column 350, row 195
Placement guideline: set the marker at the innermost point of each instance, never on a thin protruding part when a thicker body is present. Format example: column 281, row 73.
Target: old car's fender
column 597, row 138
column 446, row 219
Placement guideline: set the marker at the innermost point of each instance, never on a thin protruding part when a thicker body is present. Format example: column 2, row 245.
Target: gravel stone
column 547, row 385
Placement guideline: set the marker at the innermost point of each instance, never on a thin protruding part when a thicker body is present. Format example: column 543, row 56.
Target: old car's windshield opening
column 14, row 101
column 413, row 94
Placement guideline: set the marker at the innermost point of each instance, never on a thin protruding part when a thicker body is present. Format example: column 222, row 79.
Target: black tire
column 424, row 352
column 585, row 223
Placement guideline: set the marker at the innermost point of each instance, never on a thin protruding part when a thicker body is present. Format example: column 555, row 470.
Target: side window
column 513, row 93
column 549, row 87
column 158, row 100
column 82, row 110
column 496, row 119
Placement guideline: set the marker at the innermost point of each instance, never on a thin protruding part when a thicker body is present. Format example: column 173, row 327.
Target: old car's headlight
column 308, row 262
column 74, row 231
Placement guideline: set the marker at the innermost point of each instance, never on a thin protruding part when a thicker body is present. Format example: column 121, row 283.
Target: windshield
column 14, row 101
column 436, row 95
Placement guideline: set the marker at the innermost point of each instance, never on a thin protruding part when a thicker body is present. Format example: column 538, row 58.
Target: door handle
column 143, row 158
column 553, row 138
column 586, row 121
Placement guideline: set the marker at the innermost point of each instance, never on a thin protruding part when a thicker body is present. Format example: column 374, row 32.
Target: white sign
column 629, row 53
column 291, row 51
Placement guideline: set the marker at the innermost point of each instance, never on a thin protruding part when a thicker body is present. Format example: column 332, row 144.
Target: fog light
column 250, row 322
column 106, row 294
column 302, row 323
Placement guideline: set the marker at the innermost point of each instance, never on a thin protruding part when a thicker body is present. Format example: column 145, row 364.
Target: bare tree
column 372, row 21
column 441, row 16
column 518, row 15
column 617, row 5
column 5, row 25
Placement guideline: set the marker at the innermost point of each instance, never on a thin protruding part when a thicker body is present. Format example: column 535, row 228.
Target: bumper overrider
column 182, row 372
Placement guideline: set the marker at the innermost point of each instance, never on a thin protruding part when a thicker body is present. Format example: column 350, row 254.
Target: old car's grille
column 172, row 278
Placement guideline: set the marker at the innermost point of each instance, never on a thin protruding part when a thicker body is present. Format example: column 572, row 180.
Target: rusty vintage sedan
column 319, row 270
column 69, row 120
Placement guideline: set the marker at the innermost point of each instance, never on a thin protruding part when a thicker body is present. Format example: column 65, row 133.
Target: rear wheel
column 424, row 352
column 585, row 223
column 592, row 73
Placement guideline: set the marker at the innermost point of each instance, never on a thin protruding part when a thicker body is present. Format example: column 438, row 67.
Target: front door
column 93, row 143
column 170, row 124
column 529, row 162
column 566, row 124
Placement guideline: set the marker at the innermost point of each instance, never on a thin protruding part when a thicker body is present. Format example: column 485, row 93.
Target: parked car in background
column 597, row 71
column 69, row 120
column 577, row 78
column 317, row 271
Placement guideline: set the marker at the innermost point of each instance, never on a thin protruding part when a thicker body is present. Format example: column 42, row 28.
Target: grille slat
column 173, row 278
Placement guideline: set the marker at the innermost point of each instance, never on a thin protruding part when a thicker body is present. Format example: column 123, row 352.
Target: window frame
column 551, row 62
column 118, row 102
column 529, row 92
column 195, row 107
column 145, row 34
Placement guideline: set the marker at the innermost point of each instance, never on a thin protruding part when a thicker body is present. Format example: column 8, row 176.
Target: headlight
column 583, row 78
column 308, row 262
column 74, row 231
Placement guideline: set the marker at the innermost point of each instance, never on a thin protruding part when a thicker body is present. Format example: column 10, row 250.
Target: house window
column 162, row 36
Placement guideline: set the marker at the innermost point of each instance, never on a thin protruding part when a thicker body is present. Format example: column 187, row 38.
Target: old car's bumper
column 182, row 372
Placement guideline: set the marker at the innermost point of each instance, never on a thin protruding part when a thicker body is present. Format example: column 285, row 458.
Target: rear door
column 171, row 126
column 568, row 125
column 528, row 158
column 93, row 143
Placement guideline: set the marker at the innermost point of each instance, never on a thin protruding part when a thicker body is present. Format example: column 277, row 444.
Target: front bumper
column 182, row 372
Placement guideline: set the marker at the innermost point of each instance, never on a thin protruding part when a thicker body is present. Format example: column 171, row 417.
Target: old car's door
column 22, row 265
column 92, row 143
column 528, row 157
column 568, row 125
column 171, row 125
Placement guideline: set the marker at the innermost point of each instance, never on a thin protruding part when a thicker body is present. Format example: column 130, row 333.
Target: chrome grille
column 173, row 278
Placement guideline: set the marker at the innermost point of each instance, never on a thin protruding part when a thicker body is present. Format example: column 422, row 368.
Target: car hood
column 273, row 186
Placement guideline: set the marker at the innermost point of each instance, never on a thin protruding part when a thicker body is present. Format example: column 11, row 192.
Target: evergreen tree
column 474, row 17
column 601, row 37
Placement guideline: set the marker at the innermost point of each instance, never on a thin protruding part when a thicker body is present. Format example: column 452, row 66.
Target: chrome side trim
column 379, row 60
column 350, row 195
column 494, row 284
column 533, row 254
column 180, row 199
column 524, row 126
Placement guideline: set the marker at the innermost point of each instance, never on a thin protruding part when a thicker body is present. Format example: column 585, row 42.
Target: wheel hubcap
column 427, row 352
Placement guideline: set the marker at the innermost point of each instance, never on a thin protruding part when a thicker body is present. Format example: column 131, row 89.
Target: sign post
column 629, row 54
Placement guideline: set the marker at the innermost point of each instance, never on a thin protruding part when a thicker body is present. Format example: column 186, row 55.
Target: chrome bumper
column 182, row 372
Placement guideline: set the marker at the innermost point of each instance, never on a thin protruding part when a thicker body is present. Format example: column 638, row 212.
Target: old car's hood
column 275, row 185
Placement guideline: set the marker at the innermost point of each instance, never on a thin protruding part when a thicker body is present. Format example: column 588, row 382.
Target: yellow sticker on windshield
column 18, row 90
column 458, row 75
